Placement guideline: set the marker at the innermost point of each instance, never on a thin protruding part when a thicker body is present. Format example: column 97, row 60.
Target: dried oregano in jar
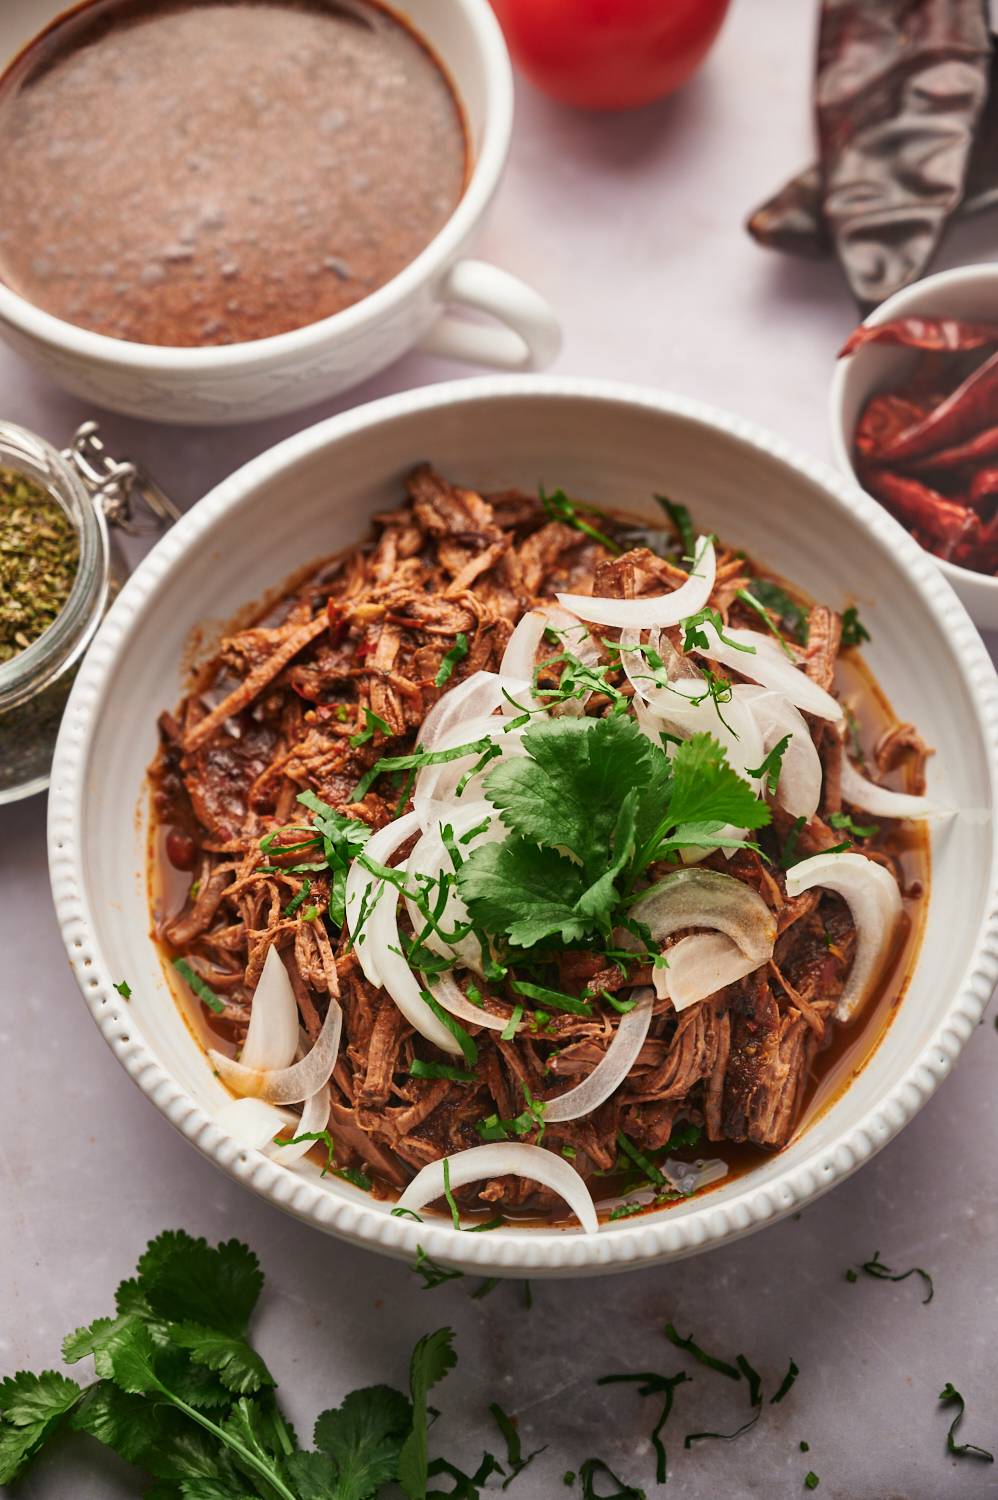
column 39, row 554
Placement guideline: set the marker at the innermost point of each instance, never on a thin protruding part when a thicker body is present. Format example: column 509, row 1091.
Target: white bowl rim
column 255, row 354
column 905, row 303
column 646, row 1239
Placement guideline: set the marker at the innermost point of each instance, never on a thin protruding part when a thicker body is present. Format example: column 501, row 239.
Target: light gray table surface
column 632, row 226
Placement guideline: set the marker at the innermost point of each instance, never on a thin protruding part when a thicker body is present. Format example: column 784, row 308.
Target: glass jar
column 96, row 493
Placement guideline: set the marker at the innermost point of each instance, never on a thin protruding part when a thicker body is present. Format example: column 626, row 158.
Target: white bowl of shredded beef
column 484, row 591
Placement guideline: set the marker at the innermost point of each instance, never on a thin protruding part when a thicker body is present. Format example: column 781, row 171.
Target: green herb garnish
column 204, row 991
column 373, row 723
column 593, row 1469
column 700, row 1355
column 854, row 632
column 680, row 518
column 811, row 1480
column 514, row 1448
column 858, row 830
column 457, row 653
column 650, row 1384
column 950, row 1396
column 420, row 1069
column 431, row 1271
column 772, row 765
column 415, row 761
column 558, row 506
column 298, row 898
column 882, row 1272
column 124, row 989
column 792, row 617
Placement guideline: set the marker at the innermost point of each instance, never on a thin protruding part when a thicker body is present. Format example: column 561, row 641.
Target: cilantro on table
column 950, row 1396
column 881, row 1272
column 602, row 791
column 181, row 1394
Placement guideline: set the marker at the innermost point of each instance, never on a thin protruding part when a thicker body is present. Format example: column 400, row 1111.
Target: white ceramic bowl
column 970, row 292
column 615, row 445
column 241, row 382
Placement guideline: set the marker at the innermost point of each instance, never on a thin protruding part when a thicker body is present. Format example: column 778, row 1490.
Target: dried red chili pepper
column 972, row 407
column 900, row 88
column 944, row 521
column 885, row 418
column 935, row 335
column 981, row 446
column 983, row 487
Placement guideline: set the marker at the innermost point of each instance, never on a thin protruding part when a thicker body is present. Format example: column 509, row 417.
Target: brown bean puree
column 210, row 171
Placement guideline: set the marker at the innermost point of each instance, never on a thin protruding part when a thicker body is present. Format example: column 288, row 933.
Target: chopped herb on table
column 950, row 1396
column 876, row 1268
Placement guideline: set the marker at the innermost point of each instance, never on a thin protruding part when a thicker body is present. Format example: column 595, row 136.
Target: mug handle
column 530, row 339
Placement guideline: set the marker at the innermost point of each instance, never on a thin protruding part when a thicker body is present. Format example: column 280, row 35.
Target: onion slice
column 505, row 1159
column 657, row 610
column 272, row 1035
column 707, row 898
column 479, row 694
column 799, row 786
column 873, row 898
column 519, row 662
column 290, row 1085
column 360, row 895
column 766, row 664
column 314, row 1118
column 881, row 801
column 447, row 992
column 700, row 965
column 251, row 1122
column 612, row 1068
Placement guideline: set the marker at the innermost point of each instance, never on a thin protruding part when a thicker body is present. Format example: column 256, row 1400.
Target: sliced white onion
column 361, row 884
column 700, row 965
column 768, row 666
column 657, row 610
column 799, row 786
column 314, row 1118
column 873, row 898
column 434, row 793
column 479, row 694
column 505, row 1159
column 290, row 1085
column 272, row 1035
column 612, row 1068
column 447, row 992
column 881, row 801
column 430, row 857
column 520, row 657
column 251, row 1122
column 708, row 898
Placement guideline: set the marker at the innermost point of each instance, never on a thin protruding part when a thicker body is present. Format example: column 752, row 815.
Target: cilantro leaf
column 854, row 632
column 457, row 653
column 31, row 1406
column 567, row 791
column 239, row 1367
column 314, row 1477
column 791, row 615
column 680, row 517
column 185, row 1280
column 431, row 1360
column 772, row 765
column 527, row 893
column 364, row 1437
column 705, row 788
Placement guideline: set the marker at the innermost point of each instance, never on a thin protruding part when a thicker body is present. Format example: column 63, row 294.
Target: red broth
column 194, row 172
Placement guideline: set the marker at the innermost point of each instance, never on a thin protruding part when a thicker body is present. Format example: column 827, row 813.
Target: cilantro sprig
column 181, row 1394
column 590, row 807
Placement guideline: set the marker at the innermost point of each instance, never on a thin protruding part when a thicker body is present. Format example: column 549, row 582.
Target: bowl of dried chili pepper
column 915, row 417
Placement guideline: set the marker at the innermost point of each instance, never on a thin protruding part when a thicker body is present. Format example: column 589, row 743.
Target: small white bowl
column 243, row 382
column 971, row 292
column 615, row 445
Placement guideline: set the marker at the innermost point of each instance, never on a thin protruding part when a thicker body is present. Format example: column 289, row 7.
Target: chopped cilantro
column 696, row 638
column 950, row 1396
column 432, row 1272
column 858, row 830
column 680, row 518
column 204, row 991
column 514, row 1448
column 455, row 1212
column 340, row 839
column 420, row 1069
column 373, row 723
column 625, row 1211
column 298, row 898
column 700, row 1355
column 593, row 1469
column 764, row 616
column 792, row 617
column 650, row 1384
column 772, row 765
column 457, row 653
column 882, row 1272
column 560, row 508
column 854, row 632
column 811, row 1480
column 415, row 760
column 124, row 989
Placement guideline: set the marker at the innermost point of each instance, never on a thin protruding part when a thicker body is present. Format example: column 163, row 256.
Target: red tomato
column 609, row 54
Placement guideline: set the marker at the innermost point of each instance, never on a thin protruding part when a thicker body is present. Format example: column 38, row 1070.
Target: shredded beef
column 343, row 672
